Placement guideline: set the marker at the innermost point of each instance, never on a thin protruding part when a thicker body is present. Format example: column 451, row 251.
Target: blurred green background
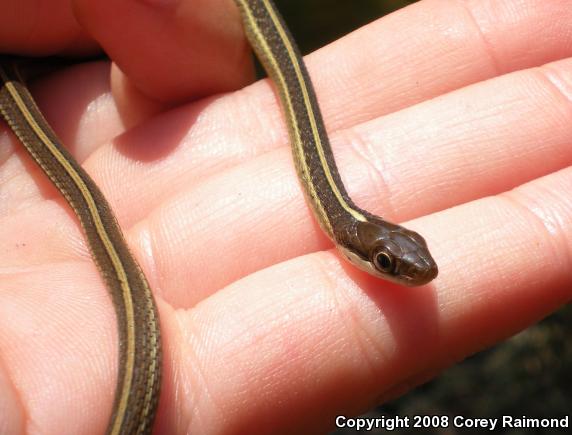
column 529, row 374
column 315, row 23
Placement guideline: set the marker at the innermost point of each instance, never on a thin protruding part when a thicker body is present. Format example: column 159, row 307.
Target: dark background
column 529, row 374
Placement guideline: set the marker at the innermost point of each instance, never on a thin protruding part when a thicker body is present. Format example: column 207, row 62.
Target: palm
column 261, row 319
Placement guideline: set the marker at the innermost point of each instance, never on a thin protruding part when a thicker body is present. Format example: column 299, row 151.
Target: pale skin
column 265, row 327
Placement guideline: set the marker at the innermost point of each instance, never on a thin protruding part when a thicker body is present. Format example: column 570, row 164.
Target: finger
column 433, row 47
column 415, row 162
column 477, row 141
column 171, row 51
column 42, row 29
column 320, row 339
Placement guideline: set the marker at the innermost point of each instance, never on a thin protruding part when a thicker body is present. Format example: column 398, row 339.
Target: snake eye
column 383, row 262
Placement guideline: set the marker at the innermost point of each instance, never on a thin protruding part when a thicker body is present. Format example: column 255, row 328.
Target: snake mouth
column 423, row 276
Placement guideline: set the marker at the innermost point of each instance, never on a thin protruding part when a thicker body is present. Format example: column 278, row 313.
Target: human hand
column 265, row 328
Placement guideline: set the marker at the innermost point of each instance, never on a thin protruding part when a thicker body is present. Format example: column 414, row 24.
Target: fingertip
column 133, row 106
column 171, row 51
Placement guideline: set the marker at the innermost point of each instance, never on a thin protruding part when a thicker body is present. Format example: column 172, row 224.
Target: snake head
column 390, row 252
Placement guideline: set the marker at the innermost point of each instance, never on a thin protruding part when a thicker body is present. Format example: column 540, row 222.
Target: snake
column 372, row 244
